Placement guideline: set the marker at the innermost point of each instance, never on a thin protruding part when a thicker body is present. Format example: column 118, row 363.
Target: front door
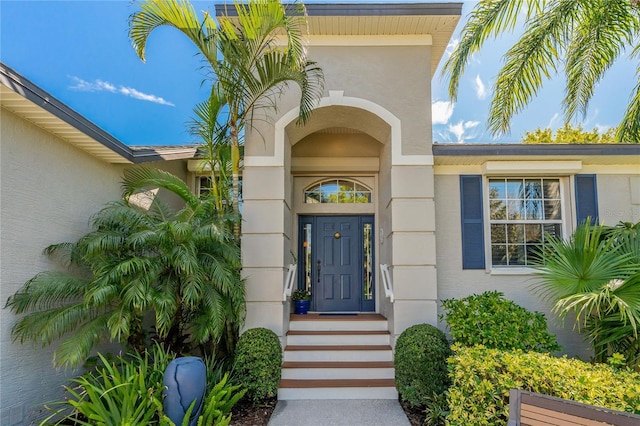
column 337, row 262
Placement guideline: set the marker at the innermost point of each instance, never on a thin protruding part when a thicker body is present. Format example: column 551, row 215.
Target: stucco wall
column 49, row 191
column 615, row 194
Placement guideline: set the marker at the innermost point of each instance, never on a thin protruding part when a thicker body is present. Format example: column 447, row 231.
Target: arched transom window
column 334, row 191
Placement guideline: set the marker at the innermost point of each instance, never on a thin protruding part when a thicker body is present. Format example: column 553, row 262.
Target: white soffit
column 531, row 167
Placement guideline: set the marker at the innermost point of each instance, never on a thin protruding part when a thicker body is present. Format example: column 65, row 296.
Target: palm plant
column 214, row 135
column 248, row 66
column 585, row 37
column 181, row 266
column 596, row 275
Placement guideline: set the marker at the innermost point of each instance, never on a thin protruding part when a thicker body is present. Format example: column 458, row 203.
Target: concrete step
column 317, row 322
column 326, row 353
column 338, row 337
column 330, row 372
column 337, row 389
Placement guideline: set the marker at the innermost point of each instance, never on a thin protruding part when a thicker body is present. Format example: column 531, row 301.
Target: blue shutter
column 586, row 198
column 472, row 223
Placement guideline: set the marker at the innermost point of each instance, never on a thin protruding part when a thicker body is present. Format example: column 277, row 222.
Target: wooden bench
column 534, row 409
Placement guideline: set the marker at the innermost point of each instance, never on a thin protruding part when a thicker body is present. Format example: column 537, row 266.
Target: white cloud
column 100, row 86
column 481, row 90
column 461, row 128
column 553, row 120
column 451, row 46
column 441, row 111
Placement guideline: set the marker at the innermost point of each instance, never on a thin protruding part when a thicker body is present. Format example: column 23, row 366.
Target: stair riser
column 337, row 373
column 338, row 356
column 339, row 325
column 332, row 340
column 337, row 393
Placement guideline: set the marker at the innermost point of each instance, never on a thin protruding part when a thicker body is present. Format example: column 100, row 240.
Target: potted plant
column 301, row 300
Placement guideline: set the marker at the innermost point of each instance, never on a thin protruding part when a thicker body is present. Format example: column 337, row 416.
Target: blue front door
column 337, row 262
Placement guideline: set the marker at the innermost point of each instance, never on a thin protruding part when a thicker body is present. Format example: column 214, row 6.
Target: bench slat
column 551, row 417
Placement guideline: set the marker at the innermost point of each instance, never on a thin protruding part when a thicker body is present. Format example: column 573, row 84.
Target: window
column 204, row 188
column 337, row 191
column 522, row 212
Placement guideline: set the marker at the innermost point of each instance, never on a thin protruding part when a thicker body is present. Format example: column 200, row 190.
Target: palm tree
column 596, row 275
column 214, row 136
column 248, row 66
column 180, row 266
column 584, row 37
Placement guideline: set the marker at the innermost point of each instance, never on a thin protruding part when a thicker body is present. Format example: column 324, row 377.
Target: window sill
column 512, row 271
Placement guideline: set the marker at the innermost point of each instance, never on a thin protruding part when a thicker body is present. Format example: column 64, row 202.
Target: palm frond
column 76, row 348
column 178, row 14
column 47, row 290
column 487, row 19
column 629, row 129
column 139, row 178
column 603, row 31
column 529, row 63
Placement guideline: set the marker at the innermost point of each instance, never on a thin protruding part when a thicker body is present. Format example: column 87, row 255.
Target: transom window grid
column 522, row 213
column 337, row 191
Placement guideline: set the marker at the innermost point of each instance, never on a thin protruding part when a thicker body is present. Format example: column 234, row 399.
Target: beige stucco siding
column 49, row 191
column 618, row 198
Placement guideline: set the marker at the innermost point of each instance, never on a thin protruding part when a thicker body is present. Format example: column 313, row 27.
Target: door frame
column 305, row 219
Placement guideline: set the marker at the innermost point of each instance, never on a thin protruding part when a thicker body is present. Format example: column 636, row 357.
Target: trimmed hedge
column 481, row 379
column 491, row 320
column 420, row 362
column 258, row 363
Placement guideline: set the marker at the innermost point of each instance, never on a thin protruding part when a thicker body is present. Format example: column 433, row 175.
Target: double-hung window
column 523, row 212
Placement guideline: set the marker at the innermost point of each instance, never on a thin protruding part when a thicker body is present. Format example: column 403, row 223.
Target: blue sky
column 79, row 52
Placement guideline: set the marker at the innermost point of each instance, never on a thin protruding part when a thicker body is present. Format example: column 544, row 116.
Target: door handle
column 319, row 268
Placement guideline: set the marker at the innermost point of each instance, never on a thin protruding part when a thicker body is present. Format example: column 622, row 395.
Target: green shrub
column 421, row 363
column 491, row 320
column 481, row 379
column 258, row 363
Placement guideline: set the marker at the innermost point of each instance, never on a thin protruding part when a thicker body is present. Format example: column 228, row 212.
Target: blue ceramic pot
column 301, row 307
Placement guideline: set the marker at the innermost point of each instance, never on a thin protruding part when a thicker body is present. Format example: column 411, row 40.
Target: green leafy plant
column 123, row 391
column 420, row 362
column 300, row 294
column 482, row 377
column 181, row 266
column 258, row 363
column 491, row 320
column 436, row 410
column 595, row 274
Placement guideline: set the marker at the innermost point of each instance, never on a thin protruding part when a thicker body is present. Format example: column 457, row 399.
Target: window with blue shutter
column 472, row 222
column 586, row 198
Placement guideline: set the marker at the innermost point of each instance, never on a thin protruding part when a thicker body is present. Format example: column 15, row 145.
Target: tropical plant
column 585, row 37
column 213, row 134
column 248, row 66
column 569, row 134
column 258, row 363
column 127, row 390
column 180, row 266
column 596, row 275
column 491, row 320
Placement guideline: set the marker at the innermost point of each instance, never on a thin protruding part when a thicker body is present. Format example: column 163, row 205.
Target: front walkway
column 331, row 412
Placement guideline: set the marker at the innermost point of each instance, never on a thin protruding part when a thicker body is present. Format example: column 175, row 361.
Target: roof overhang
column 25, row 99
column 391, row 20
column 479, row 154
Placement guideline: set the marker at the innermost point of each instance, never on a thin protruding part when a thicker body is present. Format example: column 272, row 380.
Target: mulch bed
column 415, row 415
column 245, row 413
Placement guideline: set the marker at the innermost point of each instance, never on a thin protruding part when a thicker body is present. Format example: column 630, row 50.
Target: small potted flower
column 301, row 300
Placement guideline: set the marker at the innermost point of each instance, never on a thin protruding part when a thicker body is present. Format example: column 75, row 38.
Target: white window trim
column 567, row 203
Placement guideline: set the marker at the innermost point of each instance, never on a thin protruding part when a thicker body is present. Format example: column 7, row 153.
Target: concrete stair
column 337, row 357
